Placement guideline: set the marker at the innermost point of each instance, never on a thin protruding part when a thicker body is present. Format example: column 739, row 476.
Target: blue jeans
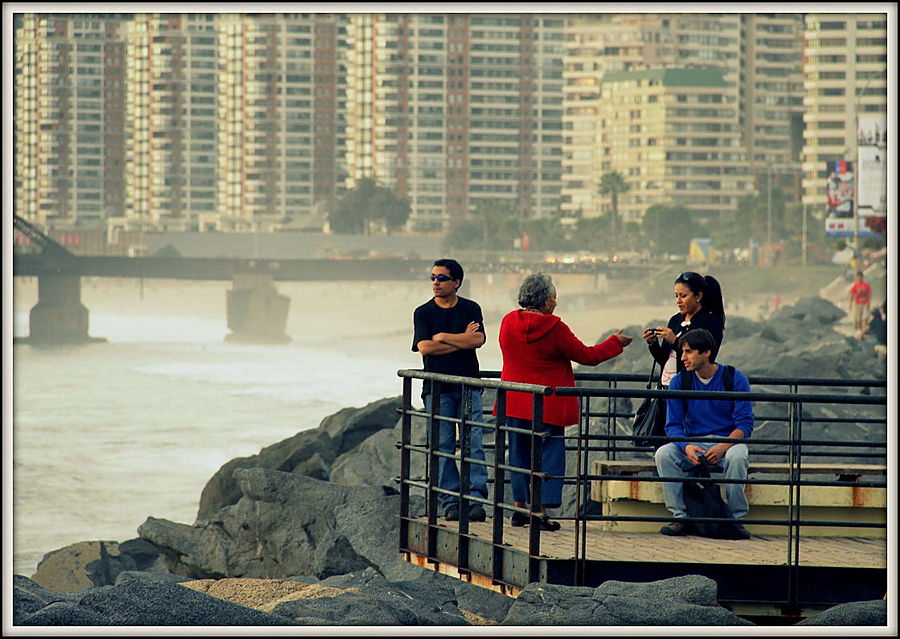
column 448, row 473
column 553, row 462
column 672, row 462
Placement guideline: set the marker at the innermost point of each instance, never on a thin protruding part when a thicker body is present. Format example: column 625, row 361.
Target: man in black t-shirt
column 447, row 330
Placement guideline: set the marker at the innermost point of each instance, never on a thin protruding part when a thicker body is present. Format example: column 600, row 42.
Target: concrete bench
column 626, row 495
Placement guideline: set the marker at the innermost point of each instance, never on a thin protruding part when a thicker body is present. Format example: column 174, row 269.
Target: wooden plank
column 849, row 552
column 602, row 467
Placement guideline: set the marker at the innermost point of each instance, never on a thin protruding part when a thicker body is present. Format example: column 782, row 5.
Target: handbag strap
column 652, row 370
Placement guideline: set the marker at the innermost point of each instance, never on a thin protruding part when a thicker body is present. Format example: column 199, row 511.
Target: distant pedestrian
column 447, row 331
column 860, row 302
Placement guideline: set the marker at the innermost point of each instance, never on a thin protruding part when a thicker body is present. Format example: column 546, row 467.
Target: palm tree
column 612, row 184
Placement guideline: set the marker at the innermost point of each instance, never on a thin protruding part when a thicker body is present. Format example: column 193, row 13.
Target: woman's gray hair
column 535, row 290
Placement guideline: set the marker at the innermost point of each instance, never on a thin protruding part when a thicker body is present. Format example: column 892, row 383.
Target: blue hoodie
column 716, row 418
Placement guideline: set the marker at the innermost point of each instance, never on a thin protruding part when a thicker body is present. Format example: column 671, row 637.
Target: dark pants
column 553, row 462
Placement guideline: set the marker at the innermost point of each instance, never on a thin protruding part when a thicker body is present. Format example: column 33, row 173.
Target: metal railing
column 603, row 433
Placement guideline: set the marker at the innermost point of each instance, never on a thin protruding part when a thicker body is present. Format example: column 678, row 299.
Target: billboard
column 868, row 184
column 871, row 147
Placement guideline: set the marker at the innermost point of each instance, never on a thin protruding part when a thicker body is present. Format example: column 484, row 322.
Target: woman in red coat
column 538, row 348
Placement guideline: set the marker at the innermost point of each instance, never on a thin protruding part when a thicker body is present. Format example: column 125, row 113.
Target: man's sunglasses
column 440, row 277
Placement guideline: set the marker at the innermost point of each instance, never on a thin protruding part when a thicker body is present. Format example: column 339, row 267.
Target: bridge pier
column 257, row 313
column 59, row 317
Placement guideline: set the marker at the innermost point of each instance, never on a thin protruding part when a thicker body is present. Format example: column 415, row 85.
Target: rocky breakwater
column 305, row 532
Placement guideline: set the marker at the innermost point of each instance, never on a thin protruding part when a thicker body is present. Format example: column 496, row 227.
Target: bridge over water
column 255, row 309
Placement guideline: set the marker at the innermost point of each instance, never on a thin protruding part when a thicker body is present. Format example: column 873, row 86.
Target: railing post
column 537, row 449
column 433, row 468
column 465, row 453
column 795, row 412
column 405, row 435
column 499, row 486
column 581, row 470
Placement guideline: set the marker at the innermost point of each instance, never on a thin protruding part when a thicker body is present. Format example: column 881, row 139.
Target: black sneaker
column 452, row 513
column 519, row 520
column 548, row 524
column 741, row 532
column 476, row 513
column 677, row 529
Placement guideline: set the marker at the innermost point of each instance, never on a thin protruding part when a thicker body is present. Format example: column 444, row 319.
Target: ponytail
column 712, row 298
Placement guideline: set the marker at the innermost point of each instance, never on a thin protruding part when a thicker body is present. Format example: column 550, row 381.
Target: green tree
column 547, row 235
column 668, row 229
column 390, row 209
column 591, row 233
column 612, row 184
column 753, row 219
column 360, row 208
column 464, row 234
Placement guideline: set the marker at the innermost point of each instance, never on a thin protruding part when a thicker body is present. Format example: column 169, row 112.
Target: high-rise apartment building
column 674, row 135
column 69, row 117
column 447, row 109
column 281, row 110
column 845, row 78
column 597, row 43
column 171, row 118
column 771, row 89
column 758, row 55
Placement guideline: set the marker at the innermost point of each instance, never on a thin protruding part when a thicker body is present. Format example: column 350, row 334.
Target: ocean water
column 105, row 435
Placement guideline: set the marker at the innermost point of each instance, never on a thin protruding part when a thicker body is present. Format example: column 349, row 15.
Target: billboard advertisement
column 866, row 181
column 872, row 162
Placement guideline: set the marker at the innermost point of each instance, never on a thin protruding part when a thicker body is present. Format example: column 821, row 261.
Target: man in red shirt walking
column 860, row 301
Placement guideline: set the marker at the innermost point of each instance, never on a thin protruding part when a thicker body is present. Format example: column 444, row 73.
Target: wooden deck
column 832, row 552
column 753, row 576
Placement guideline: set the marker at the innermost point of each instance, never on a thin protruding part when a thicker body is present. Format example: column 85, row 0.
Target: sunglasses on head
column 440, row 277
column 687, row 276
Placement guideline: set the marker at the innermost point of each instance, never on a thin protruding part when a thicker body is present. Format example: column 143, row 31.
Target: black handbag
column 650, row 418
column 705, row 500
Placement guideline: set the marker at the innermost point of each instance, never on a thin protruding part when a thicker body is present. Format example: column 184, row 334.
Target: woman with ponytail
column 700, row 305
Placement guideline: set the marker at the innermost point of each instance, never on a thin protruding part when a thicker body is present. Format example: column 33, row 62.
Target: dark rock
column 137, row 601
column 357, row 579
column 740, row 327
column 28, row 597
column 143, row 603
column 309, row 452
column 288, row 524
column 89, row 564
column 487, row 604
column 857, row 613
column 382, row 603
column 63, row 614
column 680, row 601
column 153, row 577
column 771, row 334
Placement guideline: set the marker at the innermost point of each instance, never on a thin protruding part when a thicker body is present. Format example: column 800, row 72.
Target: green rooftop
column 671, row 77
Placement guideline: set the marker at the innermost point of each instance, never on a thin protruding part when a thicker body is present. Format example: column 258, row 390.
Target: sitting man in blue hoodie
column 704, row 418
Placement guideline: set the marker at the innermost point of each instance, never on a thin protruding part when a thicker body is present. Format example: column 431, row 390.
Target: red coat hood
column 531, row 326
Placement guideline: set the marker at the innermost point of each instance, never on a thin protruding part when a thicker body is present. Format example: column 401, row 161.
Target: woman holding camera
column 700, row 305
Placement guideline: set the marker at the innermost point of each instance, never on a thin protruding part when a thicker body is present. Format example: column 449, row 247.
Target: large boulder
column 857, row 613
column 287, row 524
column 88, row 564
column 133, row 602
column 479, row 605
column 679, row 601
column 309, row 452
column 420, row 602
